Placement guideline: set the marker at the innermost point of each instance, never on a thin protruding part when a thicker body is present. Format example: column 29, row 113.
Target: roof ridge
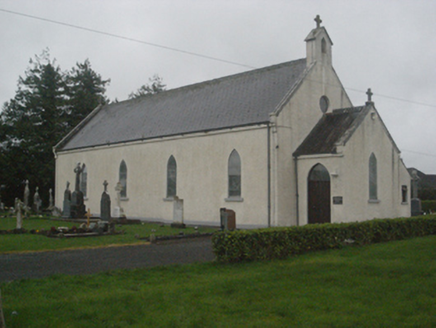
column 218, row 80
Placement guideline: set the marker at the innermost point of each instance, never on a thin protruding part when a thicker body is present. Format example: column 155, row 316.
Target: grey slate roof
column 332, row 129
column 238, row 100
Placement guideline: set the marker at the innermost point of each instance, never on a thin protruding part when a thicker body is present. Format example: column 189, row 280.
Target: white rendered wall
column 294, row 122
column 202, row 180
column 349, row 174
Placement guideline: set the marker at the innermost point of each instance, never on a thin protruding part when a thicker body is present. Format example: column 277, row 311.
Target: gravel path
column 87, row 261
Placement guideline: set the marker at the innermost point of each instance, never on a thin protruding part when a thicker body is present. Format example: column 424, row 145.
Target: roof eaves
column 167, row 136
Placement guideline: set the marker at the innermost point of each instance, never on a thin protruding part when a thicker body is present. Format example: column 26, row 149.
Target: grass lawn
column 33, row 242
column 383, row 285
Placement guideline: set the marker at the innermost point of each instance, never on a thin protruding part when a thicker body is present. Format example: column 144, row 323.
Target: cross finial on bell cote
column 318, row 21
column 369, row 93
column 105, row 185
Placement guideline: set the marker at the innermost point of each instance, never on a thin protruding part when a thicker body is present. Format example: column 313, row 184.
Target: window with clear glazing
column 234, row 171
column 372, row 177
column 171, row 177
column 123, row 179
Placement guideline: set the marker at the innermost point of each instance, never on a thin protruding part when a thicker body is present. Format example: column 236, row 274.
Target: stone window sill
column 234, row 199
column 168, row 199
column 373, row 201
column 124, row 199
column 405, row 203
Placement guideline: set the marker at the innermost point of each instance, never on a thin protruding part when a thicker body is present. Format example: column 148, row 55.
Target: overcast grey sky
column 385, row 45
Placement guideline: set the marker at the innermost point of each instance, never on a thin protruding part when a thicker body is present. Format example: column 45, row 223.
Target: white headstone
column 177, row 210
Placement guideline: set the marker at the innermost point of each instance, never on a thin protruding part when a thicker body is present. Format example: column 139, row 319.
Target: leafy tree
column 155, row 86
column 48, row 103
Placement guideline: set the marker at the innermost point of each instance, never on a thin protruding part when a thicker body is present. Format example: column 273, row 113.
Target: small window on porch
column 404, row 195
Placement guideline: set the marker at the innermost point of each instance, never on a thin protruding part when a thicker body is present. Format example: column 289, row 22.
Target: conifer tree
column 47, row 104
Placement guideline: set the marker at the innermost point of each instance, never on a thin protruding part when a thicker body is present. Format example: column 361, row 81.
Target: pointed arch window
column 234, row 175
column 171, row 177
column 84, row 180
column 123, row 178
column 372, row 177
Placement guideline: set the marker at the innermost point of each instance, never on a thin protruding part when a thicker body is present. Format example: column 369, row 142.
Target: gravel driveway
column 87, row 261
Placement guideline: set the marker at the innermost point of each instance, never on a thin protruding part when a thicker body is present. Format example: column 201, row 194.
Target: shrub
column 276, row 243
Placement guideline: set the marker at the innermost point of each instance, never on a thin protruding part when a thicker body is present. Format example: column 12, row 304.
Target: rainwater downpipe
column 296, row 190
column 269, row 172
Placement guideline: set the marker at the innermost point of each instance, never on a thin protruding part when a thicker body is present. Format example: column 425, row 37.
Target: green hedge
column 428, row 205
column 276, row 243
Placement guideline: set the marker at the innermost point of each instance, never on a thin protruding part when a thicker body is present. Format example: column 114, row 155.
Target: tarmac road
column 87, row 261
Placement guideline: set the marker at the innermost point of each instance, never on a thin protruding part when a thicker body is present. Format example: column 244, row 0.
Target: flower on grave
column 37, row 231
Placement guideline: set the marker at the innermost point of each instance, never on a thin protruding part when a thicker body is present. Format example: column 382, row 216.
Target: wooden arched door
column 319, row 195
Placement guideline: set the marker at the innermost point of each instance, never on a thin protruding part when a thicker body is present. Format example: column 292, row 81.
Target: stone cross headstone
column 77, row 203
column 118, row 210
column 66, row 213
column 18, row 208
column 88, row 217
column 105, row 204
column 37, row 201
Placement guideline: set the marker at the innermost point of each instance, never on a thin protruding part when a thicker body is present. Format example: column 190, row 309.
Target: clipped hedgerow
column 277, row 243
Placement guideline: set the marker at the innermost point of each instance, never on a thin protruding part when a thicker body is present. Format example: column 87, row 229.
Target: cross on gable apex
column 318, row 21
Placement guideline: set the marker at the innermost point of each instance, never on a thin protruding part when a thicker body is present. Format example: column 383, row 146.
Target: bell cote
column 318, row 45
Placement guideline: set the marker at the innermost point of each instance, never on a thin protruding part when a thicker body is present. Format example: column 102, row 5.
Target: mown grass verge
column 382, row 285
column 34, row 242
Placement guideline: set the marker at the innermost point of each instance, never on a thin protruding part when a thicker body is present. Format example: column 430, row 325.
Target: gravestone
column 66, row 213
column 77, row 203
column 118, row 210
column 415, row 201
column 105, row 204
column 177, row 213
column 18, row 208
column 37, row 202
column 2, row 317
column 227, row 219
column 26, row 195
column 50, row 200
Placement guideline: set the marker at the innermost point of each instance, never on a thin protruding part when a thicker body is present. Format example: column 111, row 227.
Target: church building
column 280, row 146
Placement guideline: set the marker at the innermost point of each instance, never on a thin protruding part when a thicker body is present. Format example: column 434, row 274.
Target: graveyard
column 34, row 237
column 379, row 285
column 31, row 226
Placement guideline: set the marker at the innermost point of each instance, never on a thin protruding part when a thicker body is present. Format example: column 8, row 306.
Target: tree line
column 48, row 103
